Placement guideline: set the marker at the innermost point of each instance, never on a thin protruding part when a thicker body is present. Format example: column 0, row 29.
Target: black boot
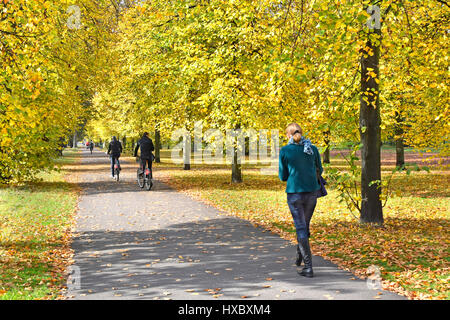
column 299, row 258
column 305, row 250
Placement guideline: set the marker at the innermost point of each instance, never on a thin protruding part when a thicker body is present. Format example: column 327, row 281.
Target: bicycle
column 144, row 178
column 116, row 172
column 117, row 169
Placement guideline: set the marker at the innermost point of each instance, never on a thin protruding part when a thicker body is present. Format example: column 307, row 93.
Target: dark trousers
column 302, row 207
column 144, row 163
column 114, row 159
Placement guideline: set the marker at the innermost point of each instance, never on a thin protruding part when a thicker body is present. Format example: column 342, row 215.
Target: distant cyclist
column 146, row 146
column 114, row 150
column 91, row 146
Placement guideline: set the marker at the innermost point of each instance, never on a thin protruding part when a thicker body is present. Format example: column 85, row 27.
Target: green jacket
column 299, row 168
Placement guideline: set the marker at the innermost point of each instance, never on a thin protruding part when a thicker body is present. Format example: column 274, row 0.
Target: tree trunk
column 74, row 144
column 326, row 153
column 187, row 152
column 399, row 147
column 247, row 146
column 400, row 152
column 157, row 146
column 369, row 118
column 236, row 167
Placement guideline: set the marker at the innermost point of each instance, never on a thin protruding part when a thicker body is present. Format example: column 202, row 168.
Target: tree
column 370, row 121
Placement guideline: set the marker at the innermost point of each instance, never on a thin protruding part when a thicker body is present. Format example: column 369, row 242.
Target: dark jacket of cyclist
column 115, row 148
column 146, row 146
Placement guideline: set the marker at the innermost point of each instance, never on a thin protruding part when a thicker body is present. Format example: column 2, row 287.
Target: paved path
column 161, row 244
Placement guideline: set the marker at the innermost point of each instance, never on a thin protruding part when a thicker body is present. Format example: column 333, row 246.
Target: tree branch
column 443, row 2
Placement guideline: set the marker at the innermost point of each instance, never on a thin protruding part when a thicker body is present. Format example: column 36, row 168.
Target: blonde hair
column 291, row 130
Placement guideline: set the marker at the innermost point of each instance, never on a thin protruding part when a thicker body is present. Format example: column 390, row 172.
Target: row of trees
column 246, row 64
column 49, row 66
column 133, row 66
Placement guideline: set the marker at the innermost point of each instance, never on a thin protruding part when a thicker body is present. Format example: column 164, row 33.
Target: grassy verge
column 35, row 222
column 411, row 251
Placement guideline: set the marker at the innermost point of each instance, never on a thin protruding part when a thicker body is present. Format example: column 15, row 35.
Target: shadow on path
column 223, row 255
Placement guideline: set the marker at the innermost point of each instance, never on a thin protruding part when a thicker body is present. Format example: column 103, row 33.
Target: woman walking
column 300, row 165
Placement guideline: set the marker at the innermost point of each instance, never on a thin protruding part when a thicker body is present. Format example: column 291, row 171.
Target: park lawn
column 411, row 250
column 35, row 223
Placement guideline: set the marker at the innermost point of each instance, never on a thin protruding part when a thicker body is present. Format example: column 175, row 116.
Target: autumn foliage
column 131, row 66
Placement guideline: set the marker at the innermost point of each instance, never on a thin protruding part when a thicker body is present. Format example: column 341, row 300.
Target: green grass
column 34, row 222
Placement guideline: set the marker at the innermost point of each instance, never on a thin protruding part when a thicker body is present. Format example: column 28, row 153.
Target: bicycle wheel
column 140, row 178
column 148, row 183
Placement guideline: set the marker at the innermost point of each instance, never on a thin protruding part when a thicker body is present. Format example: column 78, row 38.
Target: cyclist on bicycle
column 146, row 145
column 114, row 150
